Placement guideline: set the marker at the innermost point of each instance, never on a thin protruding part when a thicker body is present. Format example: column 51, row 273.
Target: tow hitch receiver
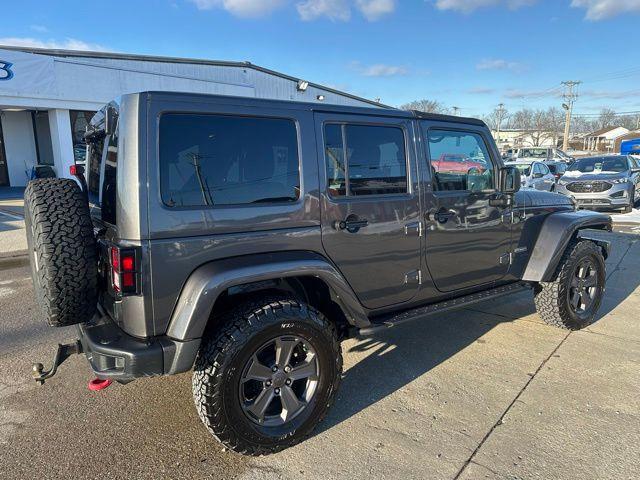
column 63, row 352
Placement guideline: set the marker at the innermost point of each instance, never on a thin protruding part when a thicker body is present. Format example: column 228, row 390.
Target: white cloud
column 481, row 90
column 335, row 10
column 375, row 9
column 517, row 93
column 379, row 70
column 468, row 6
column 611, row 95
column 602, row 9
column 332, row 9
column 39, row 28
column 241, row 8
column 67, row 44
column 498, row 64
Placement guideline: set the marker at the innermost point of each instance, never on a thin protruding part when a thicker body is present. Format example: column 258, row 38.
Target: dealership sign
column 5, row 70
column 26, row 74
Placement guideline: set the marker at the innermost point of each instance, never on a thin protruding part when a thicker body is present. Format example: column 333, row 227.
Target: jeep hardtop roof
column 316, row 107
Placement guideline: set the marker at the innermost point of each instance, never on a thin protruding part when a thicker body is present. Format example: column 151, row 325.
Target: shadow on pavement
column 397, row 357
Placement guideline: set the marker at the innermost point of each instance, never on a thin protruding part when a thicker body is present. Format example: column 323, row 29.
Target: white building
column 517, row 138
column 48, row 96
column 604, row 140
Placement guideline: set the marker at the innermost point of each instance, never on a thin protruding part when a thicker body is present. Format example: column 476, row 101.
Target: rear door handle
column 443, row 216
column 351, row 224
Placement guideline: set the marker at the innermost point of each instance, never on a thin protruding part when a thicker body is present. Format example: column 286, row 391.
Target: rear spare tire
column 62, row 250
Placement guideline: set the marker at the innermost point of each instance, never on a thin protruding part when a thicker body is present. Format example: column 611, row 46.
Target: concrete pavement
column 487, row 392
column 12, row 239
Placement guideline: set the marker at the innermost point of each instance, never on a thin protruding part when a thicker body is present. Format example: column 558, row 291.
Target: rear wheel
column 572, row 300
column 268, row 375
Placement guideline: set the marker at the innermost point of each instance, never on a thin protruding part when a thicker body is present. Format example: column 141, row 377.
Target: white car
column 534, row 174
column 542, row 154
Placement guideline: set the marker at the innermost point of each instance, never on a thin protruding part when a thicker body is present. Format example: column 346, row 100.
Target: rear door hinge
column 413, row 227
column 413, row 277
column 506, row 259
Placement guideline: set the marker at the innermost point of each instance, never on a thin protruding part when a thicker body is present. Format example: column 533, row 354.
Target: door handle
column 351, row 224
column 442, row 215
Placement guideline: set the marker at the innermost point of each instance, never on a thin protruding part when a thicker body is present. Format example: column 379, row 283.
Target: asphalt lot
column 488, row 392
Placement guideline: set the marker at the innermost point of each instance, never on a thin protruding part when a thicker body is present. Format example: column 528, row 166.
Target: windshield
column 533, row 152
column 600, row 165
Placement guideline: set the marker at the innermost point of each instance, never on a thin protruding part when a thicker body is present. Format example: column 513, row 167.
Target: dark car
column 243, row 239
column 604, row 182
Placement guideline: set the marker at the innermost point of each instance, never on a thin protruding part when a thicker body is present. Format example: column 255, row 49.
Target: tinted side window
column 374, row 161
column 460, row 161
column 227, row 160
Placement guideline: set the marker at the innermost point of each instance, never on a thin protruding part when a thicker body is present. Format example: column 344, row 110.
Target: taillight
column 124, row 275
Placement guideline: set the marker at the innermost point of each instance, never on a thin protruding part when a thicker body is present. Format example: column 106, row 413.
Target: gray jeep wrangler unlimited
column 244, row 238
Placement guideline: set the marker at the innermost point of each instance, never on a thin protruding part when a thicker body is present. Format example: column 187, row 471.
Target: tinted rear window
column 227, row 160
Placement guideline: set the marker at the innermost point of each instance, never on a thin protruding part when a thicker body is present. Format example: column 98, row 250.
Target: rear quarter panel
column 182, row 239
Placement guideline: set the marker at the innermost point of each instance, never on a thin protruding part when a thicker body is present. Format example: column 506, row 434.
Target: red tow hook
column 98, row 384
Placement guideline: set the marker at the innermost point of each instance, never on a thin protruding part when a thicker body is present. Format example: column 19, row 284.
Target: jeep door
column 370, row 204
column 468, row 237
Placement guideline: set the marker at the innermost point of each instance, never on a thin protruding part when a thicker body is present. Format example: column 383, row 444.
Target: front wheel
column 572, row 300
column 632, row 202
column 268, row 376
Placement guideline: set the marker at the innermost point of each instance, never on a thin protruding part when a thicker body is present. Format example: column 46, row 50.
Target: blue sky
column 469, row 53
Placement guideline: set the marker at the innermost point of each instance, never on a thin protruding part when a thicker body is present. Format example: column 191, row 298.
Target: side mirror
column 510, row 180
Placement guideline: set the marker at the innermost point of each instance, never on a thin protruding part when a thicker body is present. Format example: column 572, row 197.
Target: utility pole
column 500, row 114
column 455, row 110
column 570, row 97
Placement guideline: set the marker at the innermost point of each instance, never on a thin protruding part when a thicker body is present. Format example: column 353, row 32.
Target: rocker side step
column 385, row 322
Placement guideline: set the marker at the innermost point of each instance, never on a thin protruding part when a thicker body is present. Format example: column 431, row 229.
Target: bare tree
column 537, row 125
column 425, row 105
column 607, row 118
column 495, row 120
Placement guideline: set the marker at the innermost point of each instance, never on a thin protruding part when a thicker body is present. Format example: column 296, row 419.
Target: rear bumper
column 115, row 355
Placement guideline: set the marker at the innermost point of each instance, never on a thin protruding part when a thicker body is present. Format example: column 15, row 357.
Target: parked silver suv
column 606, row 182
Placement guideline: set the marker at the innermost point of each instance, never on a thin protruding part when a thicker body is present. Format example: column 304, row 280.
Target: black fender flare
column 201, row 290
column 555, row 234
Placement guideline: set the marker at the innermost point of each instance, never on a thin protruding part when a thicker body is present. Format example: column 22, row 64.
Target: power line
column 617, row 114
column 625, row 73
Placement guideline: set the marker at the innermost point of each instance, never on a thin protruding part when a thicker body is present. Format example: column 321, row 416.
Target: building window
column 79, row 121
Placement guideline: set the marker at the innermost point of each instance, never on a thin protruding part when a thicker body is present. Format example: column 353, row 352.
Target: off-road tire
column 221, row 358
column 551, row 298
column 62, row 250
